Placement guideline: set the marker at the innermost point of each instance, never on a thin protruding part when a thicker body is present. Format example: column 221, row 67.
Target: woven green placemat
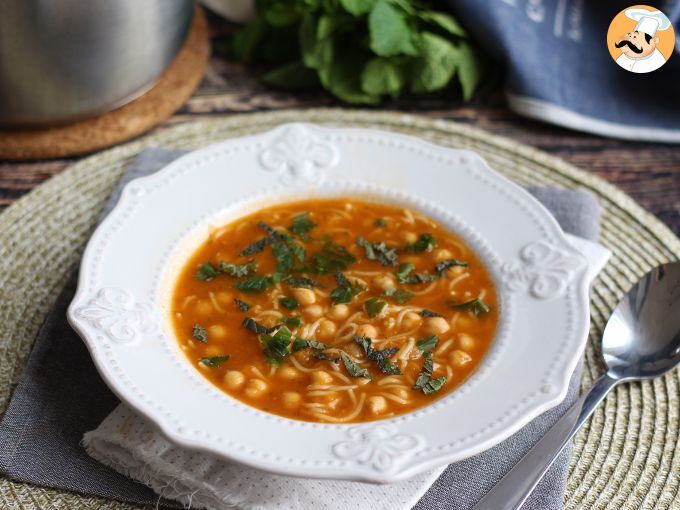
column 625, row 458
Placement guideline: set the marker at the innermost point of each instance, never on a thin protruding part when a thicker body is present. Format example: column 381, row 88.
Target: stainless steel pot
column 61, row 60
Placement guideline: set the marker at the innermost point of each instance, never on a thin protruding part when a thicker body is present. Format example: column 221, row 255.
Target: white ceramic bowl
column 121, row 308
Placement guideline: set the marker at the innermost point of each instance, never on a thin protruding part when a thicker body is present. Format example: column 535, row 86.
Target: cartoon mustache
column 626, row 42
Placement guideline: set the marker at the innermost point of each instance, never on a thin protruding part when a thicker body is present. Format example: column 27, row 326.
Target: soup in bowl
column 334, row 310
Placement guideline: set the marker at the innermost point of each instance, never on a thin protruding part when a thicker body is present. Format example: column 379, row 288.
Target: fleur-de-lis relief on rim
column 118, row 315
column 543, row 269
column 299, row 155
column 379, row 447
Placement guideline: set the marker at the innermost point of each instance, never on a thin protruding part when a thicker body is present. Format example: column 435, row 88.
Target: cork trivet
column 173, row 88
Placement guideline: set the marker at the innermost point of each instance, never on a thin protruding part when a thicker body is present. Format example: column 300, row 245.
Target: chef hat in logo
column 648, row 22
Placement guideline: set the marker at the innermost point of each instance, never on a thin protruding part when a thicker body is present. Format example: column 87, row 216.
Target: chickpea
column 401, row 393
column 442, row 254
column 234, row 379
column 291, row 399
column 224, row 298
column 367, row 330
column 326, row 329
column 255, row 388
column 339, row 312
column 411, row 320
column 466, row 342
column 304, row 296
column 288, row 373
column 212, row 350
column 353, row 350
column 460, row 358
column 384, row 281
column 204, row 308
column 436, row 325
column 321, row 377
column 377, row 404
column 410, row 237
column 313, row 311
column 217, row 332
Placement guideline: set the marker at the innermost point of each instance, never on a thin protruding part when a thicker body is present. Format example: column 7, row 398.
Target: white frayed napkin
column 128, row 443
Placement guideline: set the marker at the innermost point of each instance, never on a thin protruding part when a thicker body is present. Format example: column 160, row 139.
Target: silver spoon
column 641, row 341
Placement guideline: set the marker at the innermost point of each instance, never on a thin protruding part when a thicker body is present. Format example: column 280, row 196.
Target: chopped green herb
column 399, row 295
column 332, row 258
column 302, row 282
column 424, row 243
column 380, row 222
column 199, row 333
column 238, row 270
column 353, row 369
column 476, row 306
column 295, row 321
column 206, row 272
column 442, row 266
column 428, row 343
column 242, row 305
column 271, row 232
column 405, row 275
column 323, row 356
column 256, row 327
column 429, row 313
column 425, row 373
column 257, row 283
column 214, row 361
column 374, row 307
column 380, row 357
column 346, row 290
column 404, row 270
column 433, row 385
column 302, row 225
column 378, row 251
column 256, row 247
column 288, row 303
column 300, row 344
column 277, row 346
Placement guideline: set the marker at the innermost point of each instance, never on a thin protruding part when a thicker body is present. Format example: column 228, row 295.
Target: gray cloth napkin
column 61, row 396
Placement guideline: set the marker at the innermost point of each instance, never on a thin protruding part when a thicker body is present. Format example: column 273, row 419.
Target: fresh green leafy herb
column 242, row 305
column 254, row 326
column 323, row 356
column 404, row 270
column 380, row 222
column 425, row 373
column 300, row 344
column 302, row 225
column 257, row 283
column 288, row 303
column 199, row 333
column 206, row 272
column 214, row 361
column 332, row 258
column 401, row 296
column 302, row 282
column 295, row 321
column 429, row 313
column 433, row 385
column 406, row 275
column 346, row 290
column 286, row 251
column 442, row 266
column 277, row 346
column 256, row 247
column 353, row 368
column 476, row 306
column 428, row 343
column 374, row 307
column 238, row 270
column 271, row 232
column 425, row 243
column 379, row 357
column 378, row 251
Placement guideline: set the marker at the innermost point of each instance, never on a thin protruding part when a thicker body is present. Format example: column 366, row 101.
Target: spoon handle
column 516, row 486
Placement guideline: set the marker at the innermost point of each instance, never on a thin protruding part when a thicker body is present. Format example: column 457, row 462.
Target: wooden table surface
column 649, row 172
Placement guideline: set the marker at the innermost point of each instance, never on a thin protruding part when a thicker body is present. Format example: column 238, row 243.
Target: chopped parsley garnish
column 300, row 344
column 325, row 357
column 238, row 270
column 288, row 303
column 433, row 385
column 199, row 333
column 332, row 258
column 380, row 222
column 257, row 283
column 277, row 346
column 206, row 272
column 406, row 275
column 256, row 327
column 428, row 343
column 378, row 251
column 346, row 290
column 295, row 321
column 374, row 307
column 353, row 369
column 442, row 266
column 379, row 357
column 214, row 361
column 242, row 305
column 302, row 225
column 302, row 282
column 399, row 295
column 425, row 243
column 424, row 382
column 256, row 247
column 476, row 306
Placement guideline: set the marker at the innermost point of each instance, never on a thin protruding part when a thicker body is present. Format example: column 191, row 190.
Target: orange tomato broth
column 303, row 387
